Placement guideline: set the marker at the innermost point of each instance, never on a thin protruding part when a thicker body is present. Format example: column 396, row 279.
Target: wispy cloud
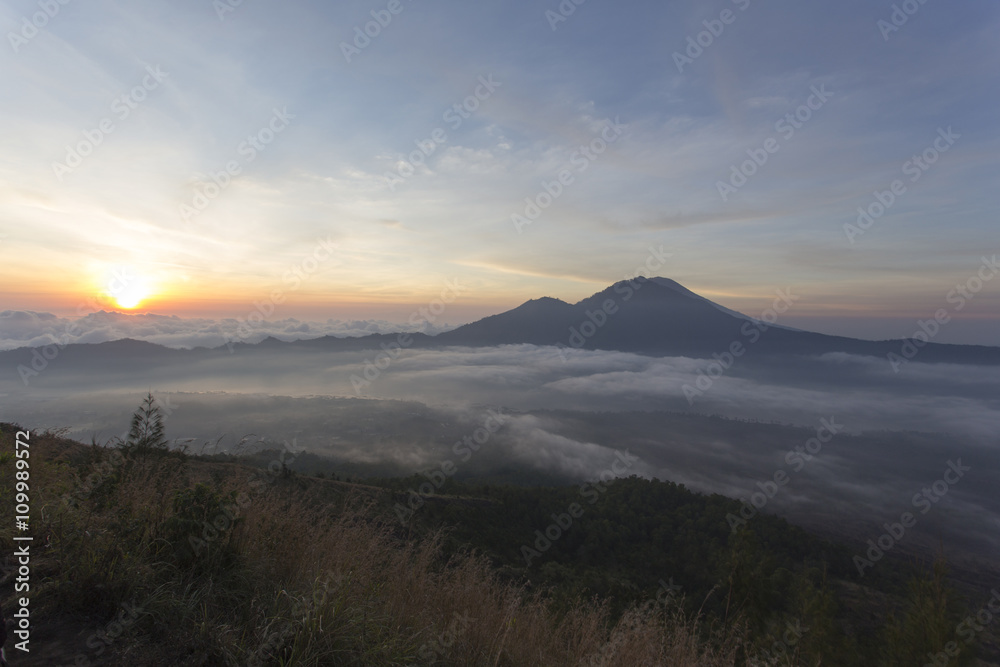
column 325, row 173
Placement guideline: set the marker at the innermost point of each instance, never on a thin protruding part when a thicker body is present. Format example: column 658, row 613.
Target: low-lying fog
column 565, row 412
column 865, row 392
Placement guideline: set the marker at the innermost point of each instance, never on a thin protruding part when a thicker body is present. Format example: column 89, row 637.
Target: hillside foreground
column 144, row 556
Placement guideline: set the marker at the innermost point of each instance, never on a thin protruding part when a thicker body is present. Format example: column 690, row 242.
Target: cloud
column 20, row 328
column 536, row 441
column 655, row 185
column 864, row 392
column 568, row 411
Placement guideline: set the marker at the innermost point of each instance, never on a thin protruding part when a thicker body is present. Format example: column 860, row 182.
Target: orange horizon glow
column 147, row 289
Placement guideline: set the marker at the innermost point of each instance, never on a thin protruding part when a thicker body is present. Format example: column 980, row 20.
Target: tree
column 146, row 430
column 931, row 615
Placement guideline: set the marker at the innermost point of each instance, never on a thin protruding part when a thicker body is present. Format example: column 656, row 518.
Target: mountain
column 652, row 316
column 660, row 317
column 656, row 316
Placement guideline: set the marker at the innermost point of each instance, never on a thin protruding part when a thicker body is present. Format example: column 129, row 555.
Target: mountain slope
column 661, row 317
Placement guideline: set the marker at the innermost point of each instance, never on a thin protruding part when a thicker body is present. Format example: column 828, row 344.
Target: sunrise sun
column 130, row 299
column 127, row 289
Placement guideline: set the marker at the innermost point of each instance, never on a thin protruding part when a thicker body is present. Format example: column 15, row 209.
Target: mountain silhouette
column 661, row 317
column 651, row 316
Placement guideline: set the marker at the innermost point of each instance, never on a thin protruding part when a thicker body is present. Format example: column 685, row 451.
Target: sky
column 202, row 159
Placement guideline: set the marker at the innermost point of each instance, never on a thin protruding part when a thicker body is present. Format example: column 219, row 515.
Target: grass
column 229, row 565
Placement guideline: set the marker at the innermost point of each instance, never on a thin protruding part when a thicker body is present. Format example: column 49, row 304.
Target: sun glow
column 131, row 299
column 127, row 289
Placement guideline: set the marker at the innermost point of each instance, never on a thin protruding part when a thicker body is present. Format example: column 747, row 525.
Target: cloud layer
column 20, row 328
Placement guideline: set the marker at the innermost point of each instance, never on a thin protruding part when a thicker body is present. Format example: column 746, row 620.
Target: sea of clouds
column 25, row 328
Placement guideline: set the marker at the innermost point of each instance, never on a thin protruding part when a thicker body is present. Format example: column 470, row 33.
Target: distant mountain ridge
column 651, row 316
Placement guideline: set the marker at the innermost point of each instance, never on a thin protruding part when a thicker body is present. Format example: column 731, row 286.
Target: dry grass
column 298, row 582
